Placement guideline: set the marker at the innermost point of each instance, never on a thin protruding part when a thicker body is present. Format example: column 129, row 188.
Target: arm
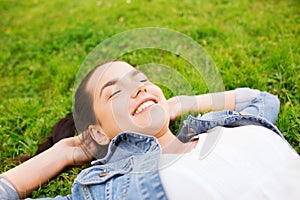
column 39, row 169
column 201, row 103
column 244, row 100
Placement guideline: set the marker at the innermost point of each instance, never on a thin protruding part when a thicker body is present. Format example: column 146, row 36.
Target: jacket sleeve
column 258, row 103
column 7, row 191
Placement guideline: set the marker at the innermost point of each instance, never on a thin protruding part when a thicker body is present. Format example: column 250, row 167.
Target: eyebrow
column 114, row 81
column 109, row 83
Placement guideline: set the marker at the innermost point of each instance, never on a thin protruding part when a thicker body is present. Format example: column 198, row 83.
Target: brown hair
column 83, row 116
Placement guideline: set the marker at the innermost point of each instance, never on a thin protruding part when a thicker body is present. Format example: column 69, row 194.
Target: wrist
column 64, row 152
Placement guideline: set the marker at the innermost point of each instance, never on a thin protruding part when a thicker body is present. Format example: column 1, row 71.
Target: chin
column 152, row 122
column 157, row 122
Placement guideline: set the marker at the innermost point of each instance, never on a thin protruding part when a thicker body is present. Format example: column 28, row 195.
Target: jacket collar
column 128, row 144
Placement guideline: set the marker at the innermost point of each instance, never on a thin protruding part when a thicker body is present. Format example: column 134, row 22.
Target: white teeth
column 143, row 106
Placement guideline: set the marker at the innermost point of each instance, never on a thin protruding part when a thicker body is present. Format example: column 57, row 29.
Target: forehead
column 107, row 72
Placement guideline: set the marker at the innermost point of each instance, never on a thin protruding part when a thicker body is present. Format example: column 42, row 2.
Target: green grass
column 43, row 43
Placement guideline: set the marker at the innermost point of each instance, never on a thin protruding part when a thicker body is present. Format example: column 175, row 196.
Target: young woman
column 124, row 120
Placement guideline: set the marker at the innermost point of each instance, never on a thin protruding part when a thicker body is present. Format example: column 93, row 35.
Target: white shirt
column 248, row 162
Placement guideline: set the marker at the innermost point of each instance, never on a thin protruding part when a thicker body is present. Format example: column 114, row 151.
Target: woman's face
column 125, row 100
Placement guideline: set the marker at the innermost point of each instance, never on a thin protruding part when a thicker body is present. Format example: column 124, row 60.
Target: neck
column 171, row 144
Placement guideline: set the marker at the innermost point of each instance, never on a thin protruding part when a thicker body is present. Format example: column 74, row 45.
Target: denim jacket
column 130, row 168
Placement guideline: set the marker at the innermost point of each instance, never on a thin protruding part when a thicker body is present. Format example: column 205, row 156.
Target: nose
column 139, row 91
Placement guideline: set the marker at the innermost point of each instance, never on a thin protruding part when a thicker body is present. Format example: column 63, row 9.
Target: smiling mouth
column 143, row 106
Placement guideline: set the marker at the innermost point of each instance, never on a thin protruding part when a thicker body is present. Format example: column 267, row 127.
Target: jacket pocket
column 98, row 174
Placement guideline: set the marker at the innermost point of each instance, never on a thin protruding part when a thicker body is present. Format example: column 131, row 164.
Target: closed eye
column 114, row 93
column 144, row 80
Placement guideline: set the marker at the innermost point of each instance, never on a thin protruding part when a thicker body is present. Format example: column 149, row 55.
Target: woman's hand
column 179, row 105
column 82, row 149
column 174, row 108
column 77, row 153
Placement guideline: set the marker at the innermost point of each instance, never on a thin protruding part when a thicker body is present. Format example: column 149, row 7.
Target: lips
column 146, row 103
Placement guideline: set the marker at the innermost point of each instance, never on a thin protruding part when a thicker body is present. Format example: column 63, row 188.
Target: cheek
column 106, row 116
column 121, row 113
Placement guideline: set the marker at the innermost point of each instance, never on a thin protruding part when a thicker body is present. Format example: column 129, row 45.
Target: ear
column 98, row 135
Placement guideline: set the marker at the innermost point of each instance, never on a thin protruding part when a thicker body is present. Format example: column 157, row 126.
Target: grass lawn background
column 43, row 43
